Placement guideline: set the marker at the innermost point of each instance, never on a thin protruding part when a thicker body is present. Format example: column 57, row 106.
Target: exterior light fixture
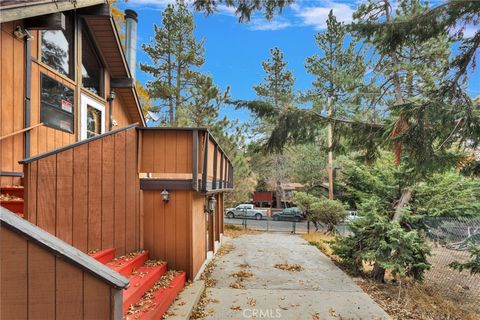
column 20, row 32
column 165, row 196
column 111, row 96
column 110, row 99
column 212, row 203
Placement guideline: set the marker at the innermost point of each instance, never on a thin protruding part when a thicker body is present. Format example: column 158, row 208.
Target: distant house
column 269, row 198
column 87, row 180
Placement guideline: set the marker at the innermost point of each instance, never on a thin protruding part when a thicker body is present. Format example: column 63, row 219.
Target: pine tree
column 277, row 90
column 426, row 120
column 204, row 108
column 339, row 76
column 244, row 8
column 175, row 55
column 277, row 87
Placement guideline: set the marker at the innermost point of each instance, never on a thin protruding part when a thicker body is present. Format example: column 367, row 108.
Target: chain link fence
column 450, row 239
column 267, row 224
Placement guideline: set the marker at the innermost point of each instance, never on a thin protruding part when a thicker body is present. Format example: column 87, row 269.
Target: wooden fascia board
column 34, row 9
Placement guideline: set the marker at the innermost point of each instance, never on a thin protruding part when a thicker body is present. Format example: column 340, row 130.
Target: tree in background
column 277, row 90
column 175, row 54
column 320, row 211
column 277, row 87
column 204, row 108
column 451, row 16
column 243, row 8
column 339, row 76
column 328, row 212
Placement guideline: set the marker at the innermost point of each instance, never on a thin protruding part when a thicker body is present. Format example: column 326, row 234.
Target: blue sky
column 234, row 51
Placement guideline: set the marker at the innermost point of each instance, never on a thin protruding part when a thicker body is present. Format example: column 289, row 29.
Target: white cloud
column 262, row 24
column 225, row 10
column 470, row 31
column 317, row 16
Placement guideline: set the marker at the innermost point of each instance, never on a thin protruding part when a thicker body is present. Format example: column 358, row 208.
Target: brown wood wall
column 199, row 227
column 166, row 151
column 11, row 101
column 12, row 93
column 167, row 227
column 38, row 285
column 88, row 195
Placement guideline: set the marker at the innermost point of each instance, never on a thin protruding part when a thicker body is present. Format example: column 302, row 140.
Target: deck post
column 205, row 162
column 195, row 159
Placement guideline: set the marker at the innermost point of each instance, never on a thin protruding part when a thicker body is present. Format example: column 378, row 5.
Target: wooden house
column 97, row 192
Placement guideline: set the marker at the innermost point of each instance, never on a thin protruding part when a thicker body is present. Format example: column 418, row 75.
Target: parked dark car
column 289, row 214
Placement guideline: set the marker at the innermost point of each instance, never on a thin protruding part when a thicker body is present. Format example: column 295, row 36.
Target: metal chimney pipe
column 131, row 19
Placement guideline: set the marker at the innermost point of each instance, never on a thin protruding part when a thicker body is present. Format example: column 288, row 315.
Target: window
column 94, row 122
column 57, row 48
column 92, row 69
column 56, row 104
column 92, row 117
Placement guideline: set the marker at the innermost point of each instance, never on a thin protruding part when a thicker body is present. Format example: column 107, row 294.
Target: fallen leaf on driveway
column 289, row 267
column 332, row 312
column 236, row 308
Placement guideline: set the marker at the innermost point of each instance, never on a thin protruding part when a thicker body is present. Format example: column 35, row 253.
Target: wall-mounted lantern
column 212, row 203
column 165, row 196
column 110, row 99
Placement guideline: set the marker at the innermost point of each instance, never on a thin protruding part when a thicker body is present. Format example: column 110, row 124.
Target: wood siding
column 12, row 97
column 88, row 195
column 199, row 229
column 11, row 101
column 166, row 151
column 167, row 229
column 38, row 285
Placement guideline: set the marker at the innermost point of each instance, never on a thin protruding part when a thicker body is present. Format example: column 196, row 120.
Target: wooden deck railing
column 189, row 157
column 87, row 193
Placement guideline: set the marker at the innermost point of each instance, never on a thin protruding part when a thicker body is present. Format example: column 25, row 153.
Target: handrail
column 61, row 249
column 76, row 144
column 21, row 131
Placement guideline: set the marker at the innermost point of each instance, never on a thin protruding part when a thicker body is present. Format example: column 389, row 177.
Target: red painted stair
column 152, row 288
column 12, row 199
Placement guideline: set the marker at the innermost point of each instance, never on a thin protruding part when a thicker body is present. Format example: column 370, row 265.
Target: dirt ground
column 444, row 294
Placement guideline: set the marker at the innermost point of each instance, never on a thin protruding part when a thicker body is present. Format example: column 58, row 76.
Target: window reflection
column 91, row 67
column 94, row 122
column 56, row 47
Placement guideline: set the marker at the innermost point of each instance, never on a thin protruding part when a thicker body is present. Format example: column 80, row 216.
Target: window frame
column 85, row 101
column 57, row 109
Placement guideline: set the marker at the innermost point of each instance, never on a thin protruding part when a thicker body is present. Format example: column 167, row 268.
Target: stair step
column 141, row 280
column 17, row 191
column 154, row 304
column 16, row 206
column 125, row 265
column 104, row 256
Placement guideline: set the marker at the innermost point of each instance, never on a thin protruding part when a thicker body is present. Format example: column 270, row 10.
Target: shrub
column 327, row 212
column 377, row 240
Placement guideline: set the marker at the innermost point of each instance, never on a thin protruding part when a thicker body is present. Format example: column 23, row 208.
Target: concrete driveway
column 248, row 286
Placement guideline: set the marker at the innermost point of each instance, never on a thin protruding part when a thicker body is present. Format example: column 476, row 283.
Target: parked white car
column 247, row 211
column 351, row 215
